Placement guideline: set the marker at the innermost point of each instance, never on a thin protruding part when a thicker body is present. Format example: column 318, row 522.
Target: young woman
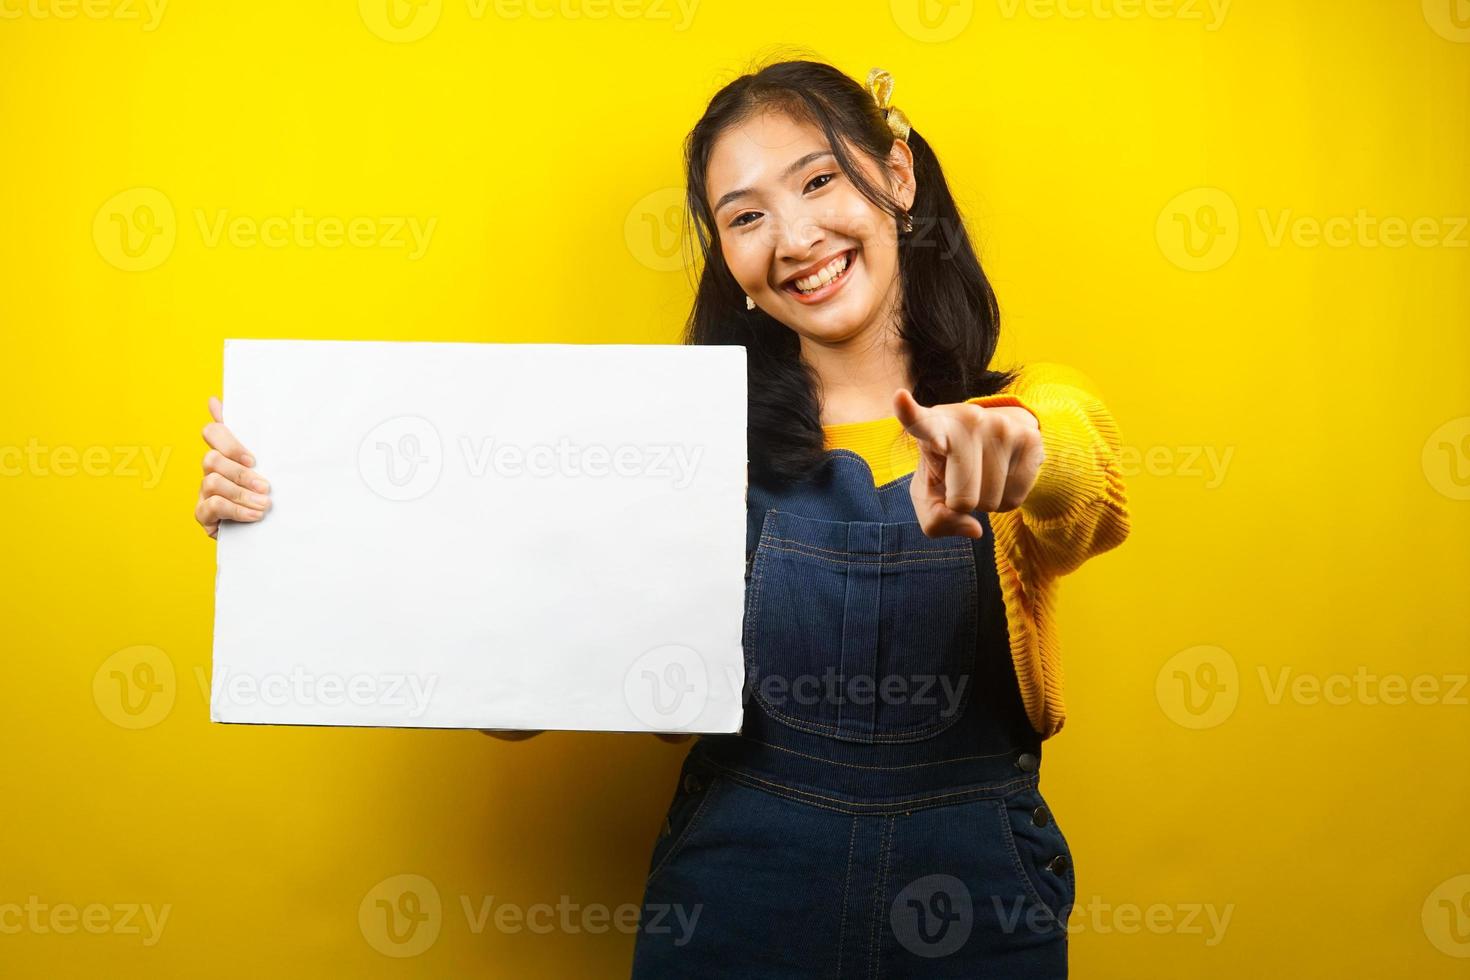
column 879, row 814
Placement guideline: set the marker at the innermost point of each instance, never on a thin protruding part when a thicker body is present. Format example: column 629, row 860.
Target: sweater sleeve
column 1078, row 506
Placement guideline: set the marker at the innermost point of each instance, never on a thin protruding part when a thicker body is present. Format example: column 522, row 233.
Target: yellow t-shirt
column 1077, row 508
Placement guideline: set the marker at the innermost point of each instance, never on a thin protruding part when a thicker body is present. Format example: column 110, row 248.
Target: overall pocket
column 1041, row 858
column 692, row 795
column 860, row 630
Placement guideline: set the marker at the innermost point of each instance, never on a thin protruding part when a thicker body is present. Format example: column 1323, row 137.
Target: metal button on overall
column 1027, row 762
column 691, row 783
column 1057, row 865
column 1040, row 817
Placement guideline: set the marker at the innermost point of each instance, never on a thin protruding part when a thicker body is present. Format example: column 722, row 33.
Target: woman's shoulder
column 1037, row 373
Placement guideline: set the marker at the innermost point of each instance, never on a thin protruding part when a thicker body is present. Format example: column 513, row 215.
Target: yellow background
column 1127, row 168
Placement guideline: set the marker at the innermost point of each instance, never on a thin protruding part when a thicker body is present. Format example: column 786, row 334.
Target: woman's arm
column 1078, row 506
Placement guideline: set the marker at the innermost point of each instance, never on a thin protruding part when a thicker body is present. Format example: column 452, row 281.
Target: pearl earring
column 749, row 303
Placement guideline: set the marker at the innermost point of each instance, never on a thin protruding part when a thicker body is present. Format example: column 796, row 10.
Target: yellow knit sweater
column 1076, row 509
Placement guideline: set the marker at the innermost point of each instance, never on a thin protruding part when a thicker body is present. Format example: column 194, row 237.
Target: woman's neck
column 859, row 376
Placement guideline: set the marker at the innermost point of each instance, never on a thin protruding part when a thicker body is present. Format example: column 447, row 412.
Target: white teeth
column 824, row 275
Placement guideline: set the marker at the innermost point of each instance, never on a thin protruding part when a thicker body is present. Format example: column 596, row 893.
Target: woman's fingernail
column 247, row 459
column 261, row 485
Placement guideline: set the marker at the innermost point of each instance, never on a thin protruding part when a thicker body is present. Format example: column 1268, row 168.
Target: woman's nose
column 797, row 236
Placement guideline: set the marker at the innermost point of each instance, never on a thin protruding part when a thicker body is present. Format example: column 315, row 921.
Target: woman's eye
column 824, row 178
column 740, row 218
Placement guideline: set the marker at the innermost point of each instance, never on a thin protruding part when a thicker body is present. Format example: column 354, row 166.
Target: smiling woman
column 908, row 514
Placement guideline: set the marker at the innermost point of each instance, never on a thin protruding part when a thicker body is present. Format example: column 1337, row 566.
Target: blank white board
column 520, row 536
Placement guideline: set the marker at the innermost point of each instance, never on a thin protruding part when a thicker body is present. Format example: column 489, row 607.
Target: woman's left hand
column 970, row 458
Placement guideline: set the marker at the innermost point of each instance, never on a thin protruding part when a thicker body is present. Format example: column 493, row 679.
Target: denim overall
column 879, row 813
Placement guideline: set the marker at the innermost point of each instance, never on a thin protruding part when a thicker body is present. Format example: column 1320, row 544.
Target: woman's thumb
column 906, row 408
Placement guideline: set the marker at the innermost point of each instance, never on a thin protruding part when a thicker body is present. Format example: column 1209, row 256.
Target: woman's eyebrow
column 791, row 168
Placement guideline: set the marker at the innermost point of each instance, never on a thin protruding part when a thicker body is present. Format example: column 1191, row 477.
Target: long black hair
column 950, row 319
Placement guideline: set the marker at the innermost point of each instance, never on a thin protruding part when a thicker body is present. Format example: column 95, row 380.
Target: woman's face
column 788, row 218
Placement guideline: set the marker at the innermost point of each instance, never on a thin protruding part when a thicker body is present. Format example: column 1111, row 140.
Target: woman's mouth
column 823, row 284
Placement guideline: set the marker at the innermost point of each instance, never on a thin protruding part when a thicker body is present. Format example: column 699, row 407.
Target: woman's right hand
column 231, row 489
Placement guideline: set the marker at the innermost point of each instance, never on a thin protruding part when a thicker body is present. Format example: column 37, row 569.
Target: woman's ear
column 901, row 163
